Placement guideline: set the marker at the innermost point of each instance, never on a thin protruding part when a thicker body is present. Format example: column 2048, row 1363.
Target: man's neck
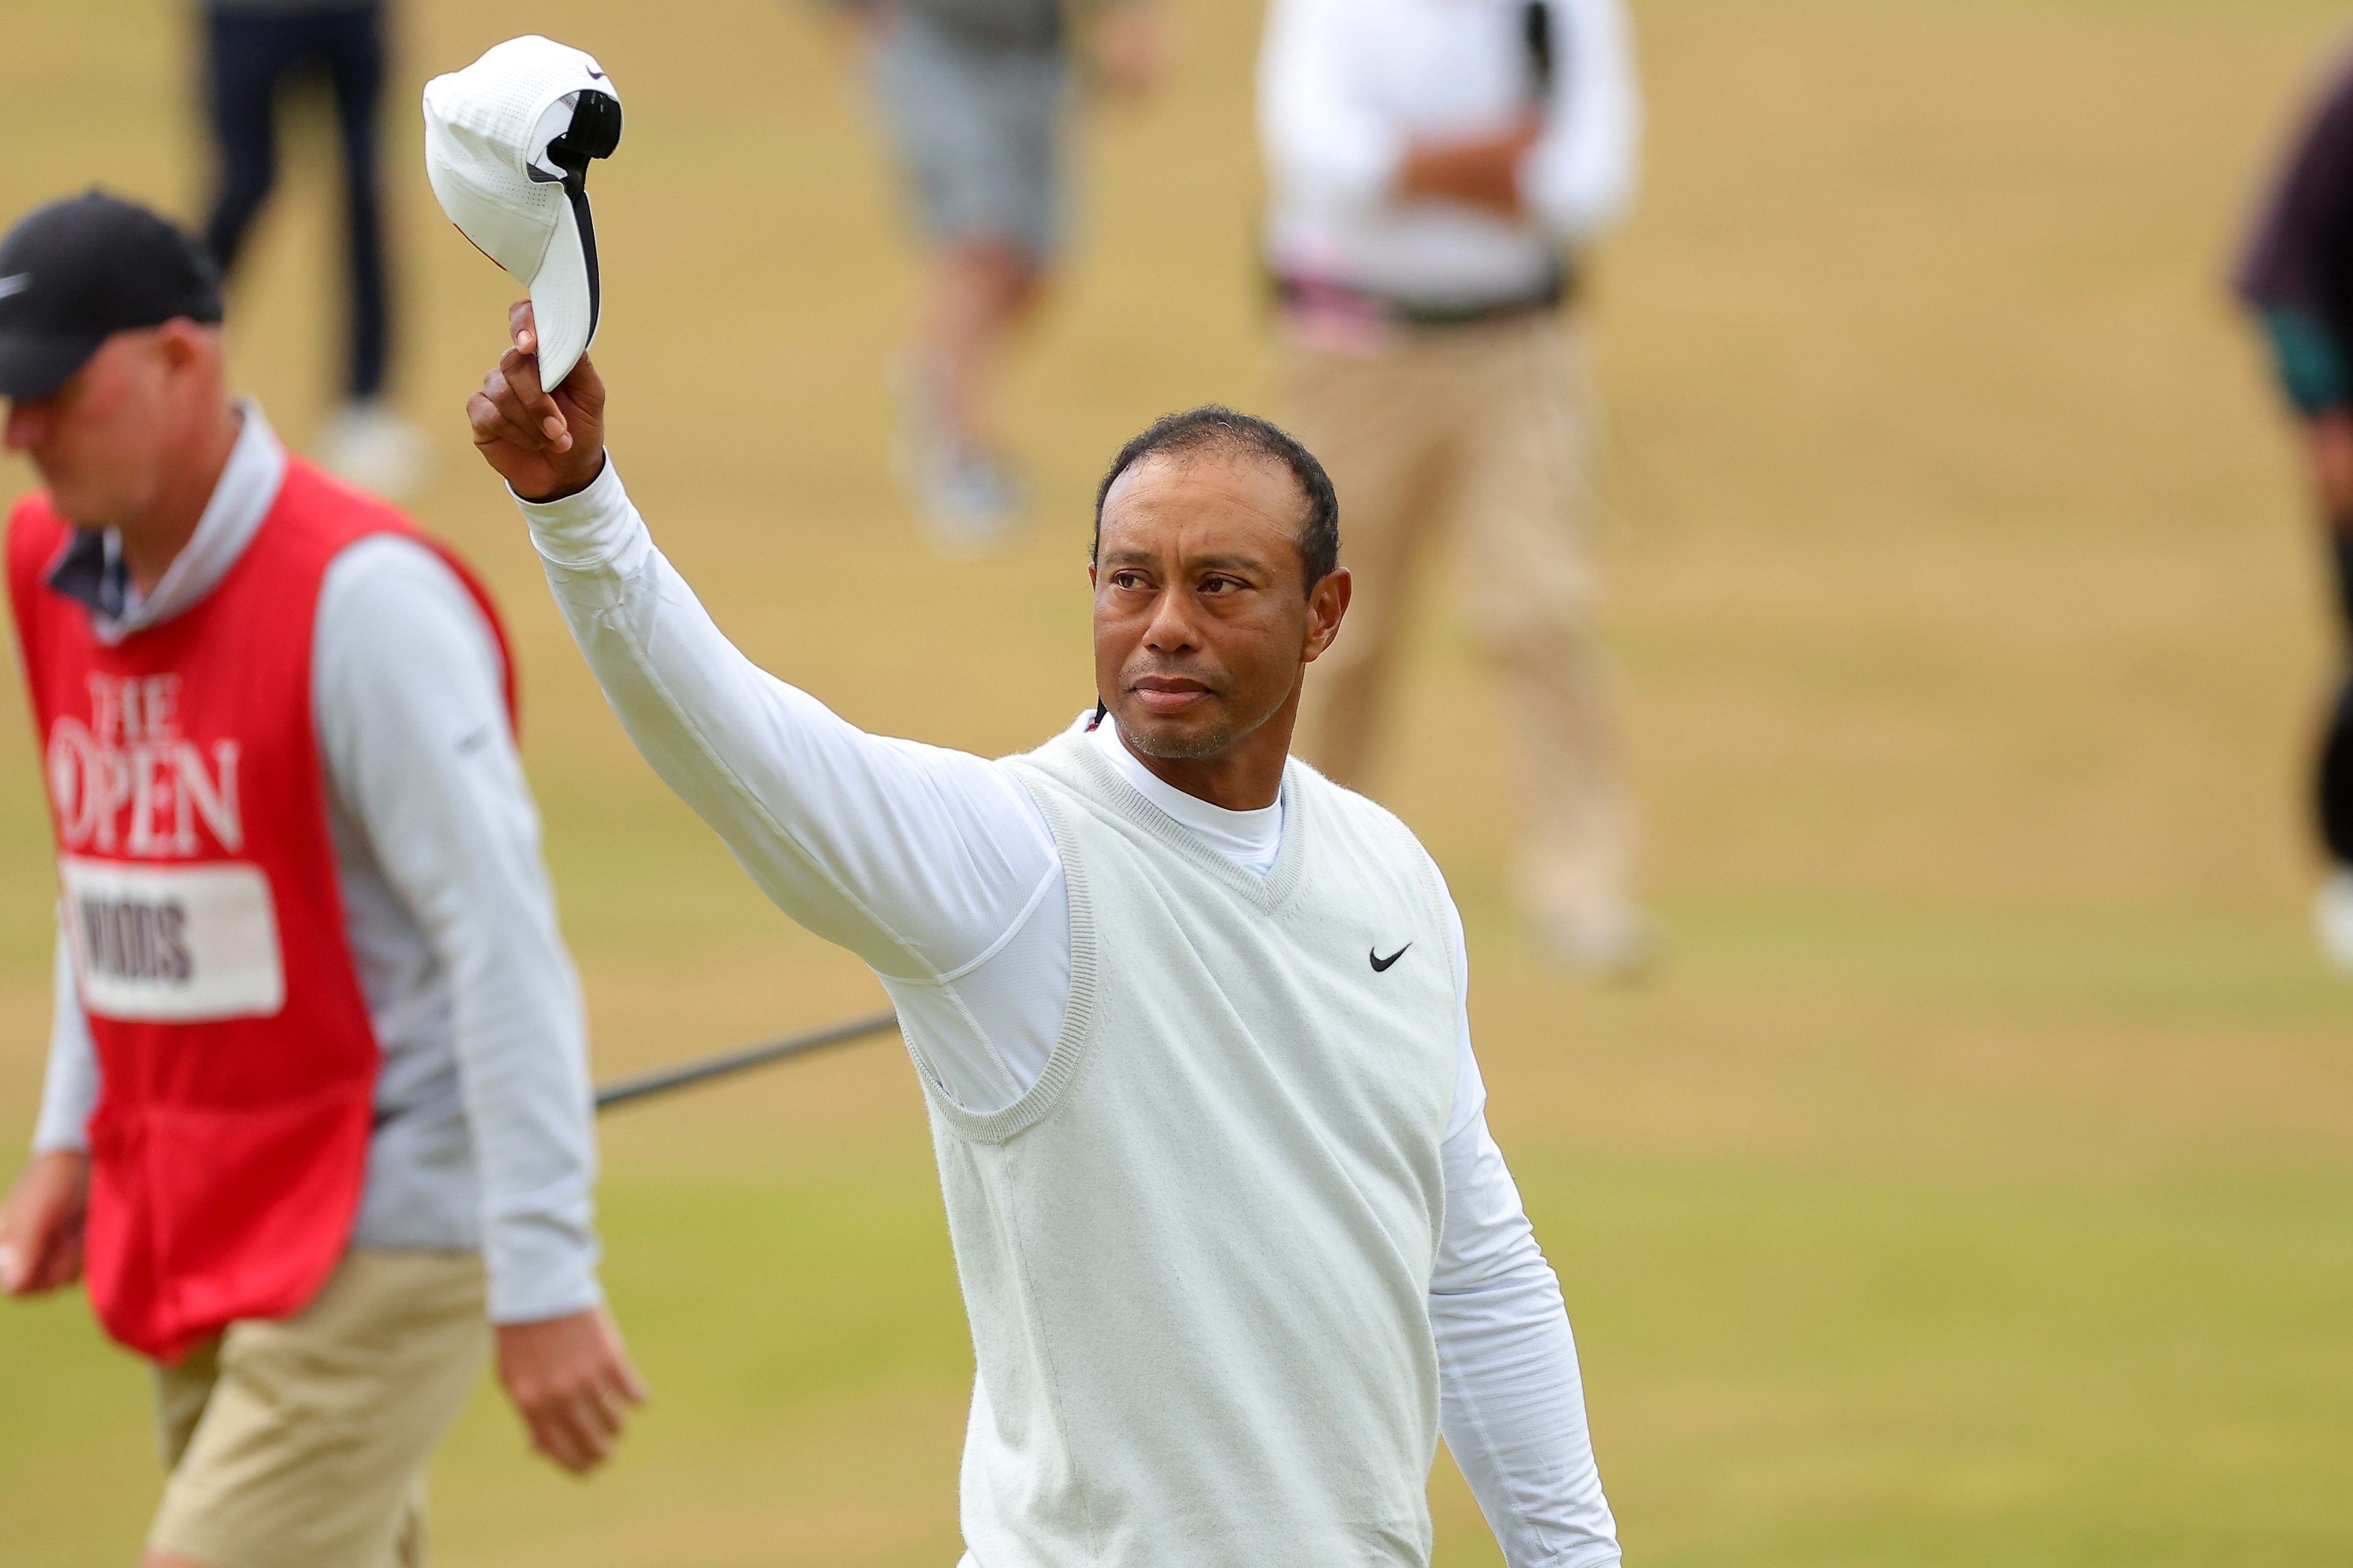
column 152, row 542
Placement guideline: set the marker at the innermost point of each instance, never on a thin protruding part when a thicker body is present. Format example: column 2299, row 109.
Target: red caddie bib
column 236, row 1061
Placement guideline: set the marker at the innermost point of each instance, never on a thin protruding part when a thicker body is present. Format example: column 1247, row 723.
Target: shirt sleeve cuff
column 64, row 1124
column 587, row 530
column 536, row 1278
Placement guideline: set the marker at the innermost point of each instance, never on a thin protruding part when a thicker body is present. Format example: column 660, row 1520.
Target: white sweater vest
column 1196, row 1256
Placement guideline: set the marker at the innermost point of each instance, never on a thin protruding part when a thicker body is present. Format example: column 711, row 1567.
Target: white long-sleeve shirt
column 938, row 869
column 483, row 1135
column 1345, row 87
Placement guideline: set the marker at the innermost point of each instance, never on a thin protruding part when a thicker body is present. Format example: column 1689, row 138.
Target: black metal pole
column 646, row 1085
column 1536, row 32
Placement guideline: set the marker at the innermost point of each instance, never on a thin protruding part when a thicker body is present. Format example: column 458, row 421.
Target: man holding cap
column 1235, row 1241
column 317, row 1100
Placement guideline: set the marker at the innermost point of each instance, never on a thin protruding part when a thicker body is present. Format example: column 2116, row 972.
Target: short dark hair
column 1213, row 427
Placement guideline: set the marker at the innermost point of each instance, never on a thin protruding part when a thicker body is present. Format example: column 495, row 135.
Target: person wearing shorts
column 974, row 97
column 2296, row 279
column 317, row 1112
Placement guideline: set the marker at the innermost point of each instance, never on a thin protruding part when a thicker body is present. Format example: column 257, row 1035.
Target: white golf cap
column 507, row 145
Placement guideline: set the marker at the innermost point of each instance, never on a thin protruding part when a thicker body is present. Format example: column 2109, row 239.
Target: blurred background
column 1972, row 1183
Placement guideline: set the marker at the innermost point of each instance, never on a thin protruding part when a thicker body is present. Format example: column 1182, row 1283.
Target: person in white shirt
column 1439, row 170
column 1190, row 1024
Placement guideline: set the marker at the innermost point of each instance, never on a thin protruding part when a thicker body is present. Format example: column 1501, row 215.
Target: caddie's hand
column 41, row 1224
column 545, row 445
column 571, row 1380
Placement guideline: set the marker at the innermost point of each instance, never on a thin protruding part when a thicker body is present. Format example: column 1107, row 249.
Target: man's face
column 98, row 441
column 1202, row 617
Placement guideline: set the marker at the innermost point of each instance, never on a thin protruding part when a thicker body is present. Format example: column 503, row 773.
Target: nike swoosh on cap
column 15, row 283
column 1381, row 964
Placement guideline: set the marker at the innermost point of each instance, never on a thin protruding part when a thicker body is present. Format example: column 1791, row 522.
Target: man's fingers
column 521, row 371
column 585, row 390
column 42, row 1249
column 597, row 1412
column 576, row 1435
column 59, row 1266
column 509, row 407
column 552, row 1434
column 492, row 427
column 555, row 1440
column 512, row 388
column 522, row 327
column 32, row 1267
column 538, row 410
column 623, row 1380
column 65, row 1262
column 578, row 1428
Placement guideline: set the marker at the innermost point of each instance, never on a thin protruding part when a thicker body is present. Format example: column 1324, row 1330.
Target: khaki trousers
column 1477, row 434
column 302, row 1443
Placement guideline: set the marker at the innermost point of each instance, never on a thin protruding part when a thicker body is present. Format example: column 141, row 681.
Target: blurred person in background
column 317, row 1102
column 975, row 99
column 1439, row 172
column 2297, row 279
column 255, row 51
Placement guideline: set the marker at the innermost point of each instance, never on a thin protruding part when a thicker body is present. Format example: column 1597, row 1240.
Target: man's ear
column 185, row 343
column 1327, row 601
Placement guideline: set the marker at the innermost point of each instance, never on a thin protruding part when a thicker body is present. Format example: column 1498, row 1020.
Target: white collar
column 1251, row 839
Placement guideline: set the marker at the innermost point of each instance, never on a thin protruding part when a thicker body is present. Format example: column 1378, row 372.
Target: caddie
column 1233, row 1236
column 317, row 1108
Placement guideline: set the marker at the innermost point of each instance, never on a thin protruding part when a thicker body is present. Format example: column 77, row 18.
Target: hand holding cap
column 508, row 142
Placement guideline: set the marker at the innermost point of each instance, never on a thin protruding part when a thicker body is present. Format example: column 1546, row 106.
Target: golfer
column 2296, row 279
column 317, row 1101
column 1234, row 1239
column 1440, row 172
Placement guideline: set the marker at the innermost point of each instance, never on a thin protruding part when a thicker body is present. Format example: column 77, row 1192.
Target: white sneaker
column 2332, row 919
column 369, row 446
column 970, row 499
column 972, row 503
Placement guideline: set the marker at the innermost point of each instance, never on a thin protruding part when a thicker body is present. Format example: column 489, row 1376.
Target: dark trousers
column 250, row 57
column 2333, row 790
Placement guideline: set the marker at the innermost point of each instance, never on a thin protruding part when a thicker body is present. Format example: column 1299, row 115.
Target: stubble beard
column 1182, row 748
column 1192, row 746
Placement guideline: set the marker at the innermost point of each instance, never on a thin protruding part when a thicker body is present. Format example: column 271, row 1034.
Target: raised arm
column 1512, row 1400
column 919, row 860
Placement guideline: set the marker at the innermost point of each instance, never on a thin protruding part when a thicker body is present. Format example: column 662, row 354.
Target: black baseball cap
column 74, row 273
